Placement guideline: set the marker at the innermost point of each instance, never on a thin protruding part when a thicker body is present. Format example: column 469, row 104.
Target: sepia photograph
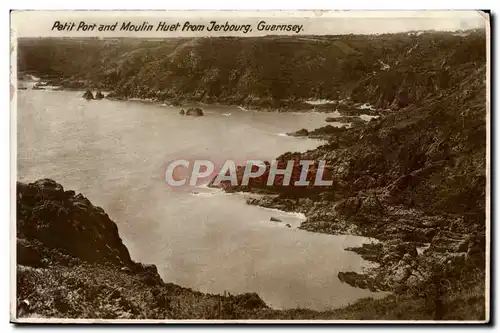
column 250, row 166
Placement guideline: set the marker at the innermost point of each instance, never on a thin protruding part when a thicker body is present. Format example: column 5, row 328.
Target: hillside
column 415, row 179
column 390, row 70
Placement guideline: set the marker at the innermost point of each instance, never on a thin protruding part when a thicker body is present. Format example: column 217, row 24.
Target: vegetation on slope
column 415, row 179
column 269, row 72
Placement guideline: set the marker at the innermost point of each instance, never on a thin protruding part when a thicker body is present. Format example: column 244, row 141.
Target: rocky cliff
column 415, row 179
column 388, row 71
column 71, row 263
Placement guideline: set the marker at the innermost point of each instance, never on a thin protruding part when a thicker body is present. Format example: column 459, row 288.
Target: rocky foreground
column 414, row 178
column 71, row 263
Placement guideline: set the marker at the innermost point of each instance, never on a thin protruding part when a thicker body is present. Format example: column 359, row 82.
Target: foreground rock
column 88, row 95
column 99, row 95
column 416, row 67
column 196, row 112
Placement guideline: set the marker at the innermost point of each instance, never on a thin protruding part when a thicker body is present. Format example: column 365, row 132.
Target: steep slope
column 269, row 72
column 415, row 179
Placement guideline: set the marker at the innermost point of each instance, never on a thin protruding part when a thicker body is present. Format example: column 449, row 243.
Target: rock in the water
column 301, row 132
column 274, row 219
column 197, row 112
column 88, row 94
column 182, row 112
column 288, row 225
column 99, row 95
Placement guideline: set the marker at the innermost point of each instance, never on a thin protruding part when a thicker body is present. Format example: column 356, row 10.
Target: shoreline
column 318, row 105
column 415, row 178
column 45, row 253
column 343, row 227
column 345, row 120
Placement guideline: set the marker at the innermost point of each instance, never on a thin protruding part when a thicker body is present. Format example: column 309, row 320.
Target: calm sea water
column 114, row 153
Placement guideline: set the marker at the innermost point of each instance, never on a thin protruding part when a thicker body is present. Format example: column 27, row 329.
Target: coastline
column 414, row 178
column 376, row 279
column 342, row 107
column 75, row 281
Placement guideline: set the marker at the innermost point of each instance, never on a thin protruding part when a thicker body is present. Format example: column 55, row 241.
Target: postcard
column 250, row 167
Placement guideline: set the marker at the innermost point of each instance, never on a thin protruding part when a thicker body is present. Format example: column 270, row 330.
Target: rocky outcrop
column 67, row 222
column 99, row 95
column 301, row 132
column 41, row 85
column 196, row 112
column 88, row 94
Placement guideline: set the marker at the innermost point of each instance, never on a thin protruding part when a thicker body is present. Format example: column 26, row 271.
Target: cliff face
column 69, row 223
column 272, row 72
